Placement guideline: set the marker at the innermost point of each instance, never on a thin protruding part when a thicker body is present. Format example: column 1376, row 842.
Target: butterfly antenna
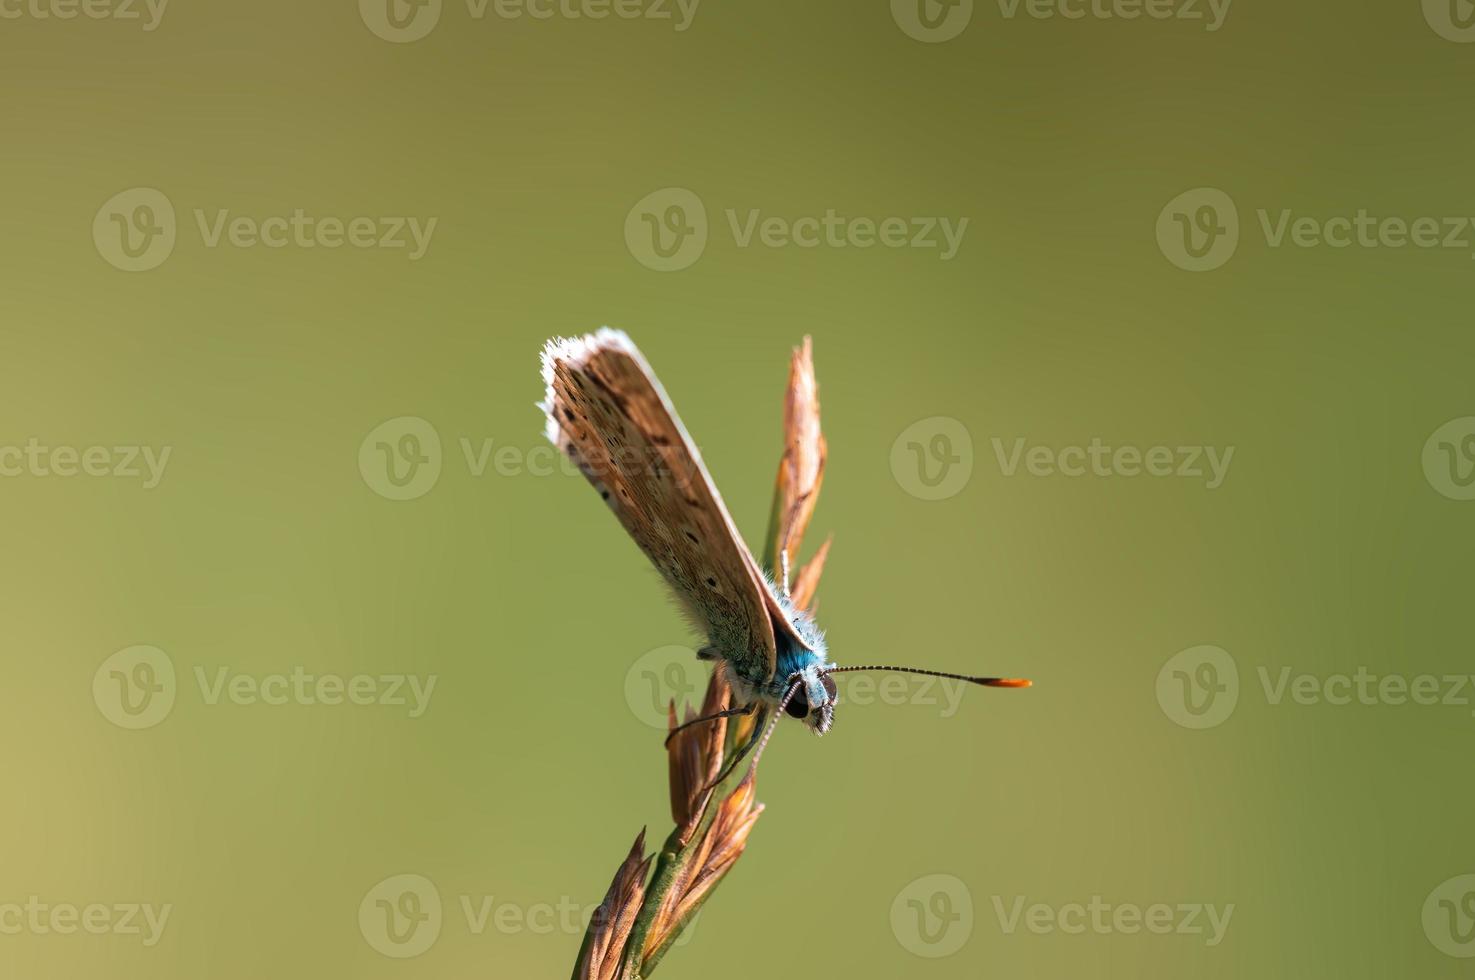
column 768, row 732
column 981, row 681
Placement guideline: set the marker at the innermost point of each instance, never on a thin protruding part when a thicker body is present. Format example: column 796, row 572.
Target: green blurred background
column 264, row 549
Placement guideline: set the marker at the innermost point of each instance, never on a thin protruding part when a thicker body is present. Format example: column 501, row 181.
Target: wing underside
column 609, row 414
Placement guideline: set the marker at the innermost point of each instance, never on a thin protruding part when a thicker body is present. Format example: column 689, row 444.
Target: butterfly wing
column 607, row 411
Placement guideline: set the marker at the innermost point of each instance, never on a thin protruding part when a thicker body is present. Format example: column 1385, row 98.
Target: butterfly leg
column 747, row 710
column 783, row 563
column 740, row 754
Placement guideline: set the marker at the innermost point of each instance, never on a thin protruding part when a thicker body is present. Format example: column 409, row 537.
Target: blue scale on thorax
column 790, row 657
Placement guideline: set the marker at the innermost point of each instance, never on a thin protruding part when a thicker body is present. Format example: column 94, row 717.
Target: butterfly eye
column 798, row 706
column 830, row 690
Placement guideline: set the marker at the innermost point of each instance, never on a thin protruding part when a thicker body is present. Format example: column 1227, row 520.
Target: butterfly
column 607, row 411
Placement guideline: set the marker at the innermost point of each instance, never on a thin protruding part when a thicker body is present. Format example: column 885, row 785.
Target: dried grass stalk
column 641, row 919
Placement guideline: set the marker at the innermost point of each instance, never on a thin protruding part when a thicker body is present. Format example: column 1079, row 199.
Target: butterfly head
column 813, row 700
